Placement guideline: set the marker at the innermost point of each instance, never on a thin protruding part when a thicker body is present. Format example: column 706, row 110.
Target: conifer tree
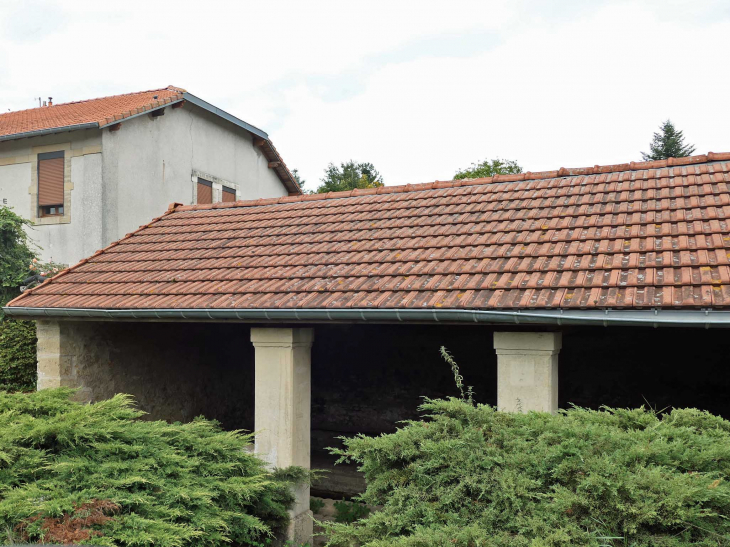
column 668, row 143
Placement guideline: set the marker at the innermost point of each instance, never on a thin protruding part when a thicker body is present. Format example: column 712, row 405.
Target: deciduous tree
column 349, row 176
column 489, row 168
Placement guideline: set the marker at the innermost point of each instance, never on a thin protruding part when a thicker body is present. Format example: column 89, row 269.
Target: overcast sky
column 420, row 88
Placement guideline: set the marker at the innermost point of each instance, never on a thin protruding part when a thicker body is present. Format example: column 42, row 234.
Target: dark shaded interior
column 630, row 367
column 367, row 378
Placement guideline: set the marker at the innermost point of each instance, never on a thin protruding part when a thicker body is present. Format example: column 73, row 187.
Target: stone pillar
column 282, row 407
column 57, row 357
column 527, row 371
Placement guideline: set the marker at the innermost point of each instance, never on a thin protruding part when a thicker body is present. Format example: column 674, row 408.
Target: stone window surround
column 67, row 184
column 218, row 184
column 32, row 158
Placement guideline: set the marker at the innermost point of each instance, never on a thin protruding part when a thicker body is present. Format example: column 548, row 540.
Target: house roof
column 106, row 111
column 645, row 235
column 102, row 111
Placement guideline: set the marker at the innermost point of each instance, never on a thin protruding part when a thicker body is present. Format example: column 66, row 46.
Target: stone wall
column 176, row 371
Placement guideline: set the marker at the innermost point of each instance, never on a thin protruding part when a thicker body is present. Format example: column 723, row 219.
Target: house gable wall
column 152, row 162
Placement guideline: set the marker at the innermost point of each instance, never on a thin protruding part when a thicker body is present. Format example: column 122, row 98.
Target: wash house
column 309, row 317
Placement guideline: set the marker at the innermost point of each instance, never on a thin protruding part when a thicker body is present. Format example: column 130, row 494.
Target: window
column 229, row 194
column 205, row 191
column 50, row 184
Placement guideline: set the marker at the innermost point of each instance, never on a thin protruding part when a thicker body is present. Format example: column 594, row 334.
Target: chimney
column 50, row 101
column 44, row 103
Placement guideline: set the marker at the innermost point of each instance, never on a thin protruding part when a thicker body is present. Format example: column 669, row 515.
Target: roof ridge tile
column 167, row 88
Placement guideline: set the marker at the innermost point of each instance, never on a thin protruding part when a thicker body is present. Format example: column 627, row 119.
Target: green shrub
column 349, row 512
column 316, row 504
column 17, row 355
column 467, row 475
column 96, row 474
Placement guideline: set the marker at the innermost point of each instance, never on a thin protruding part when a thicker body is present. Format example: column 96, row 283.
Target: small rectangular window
column 50, row 183
column 205, row 192
column 229, row 194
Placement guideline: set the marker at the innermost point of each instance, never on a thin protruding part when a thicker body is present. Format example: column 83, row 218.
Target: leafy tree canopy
column 668, row 143
column 16, row 253
column 489, row 168
column 349, row 176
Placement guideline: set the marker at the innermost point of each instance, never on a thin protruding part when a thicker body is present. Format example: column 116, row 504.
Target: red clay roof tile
column 639, row 235
column 104, row 111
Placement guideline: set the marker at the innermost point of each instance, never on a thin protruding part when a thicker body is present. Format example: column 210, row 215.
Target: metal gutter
column 39, row 132
column 647, row 318
column 197, row 101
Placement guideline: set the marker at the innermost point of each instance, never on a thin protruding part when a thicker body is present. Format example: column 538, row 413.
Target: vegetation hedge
column 467, row 475
column 97, row 474
column 17, row 355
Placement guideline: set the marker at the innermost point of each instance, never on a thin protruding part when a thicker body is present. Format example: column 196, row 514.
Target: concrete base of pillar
column 527, row 375
column 300, row 529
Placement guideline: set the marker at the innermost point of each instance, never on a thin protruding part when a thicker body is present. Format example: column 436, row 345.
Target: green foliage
column 16, row 254
column 174, row 484
column 467, row 475
column 349, row 176
column 17, row 355
column 18, row 266
column 349, row 512
column 489, row 168
column 668, row 143
column 467, row 395
column 315, row 504
column 298, row 178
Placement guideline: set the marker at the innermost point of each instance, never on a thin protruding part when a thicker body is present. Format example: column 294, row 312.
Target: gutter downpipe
column 703, row 318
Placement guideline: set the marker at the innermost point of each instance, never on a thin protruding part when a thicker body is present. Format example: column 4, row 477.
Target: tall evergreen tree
column 668, row 143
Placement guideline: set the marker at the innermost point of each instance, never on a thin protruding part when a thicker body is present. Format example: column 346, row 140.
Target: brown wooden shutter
column 205, row 192
column 229, row 194
column 50, row 179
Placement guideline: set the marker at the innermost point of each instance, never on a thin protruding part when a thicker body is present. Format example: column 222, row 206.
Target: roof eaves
column 701, row 318
column 49, row 131
column 205, row 105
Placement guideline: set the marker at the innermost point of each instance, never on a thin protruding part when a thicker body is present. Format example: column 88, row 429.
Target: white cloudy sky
column 419, row 88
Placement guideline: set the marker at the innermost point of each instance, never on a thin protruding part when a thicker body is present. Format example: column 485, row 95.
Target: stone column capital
column 527, row 343
column 281, row 338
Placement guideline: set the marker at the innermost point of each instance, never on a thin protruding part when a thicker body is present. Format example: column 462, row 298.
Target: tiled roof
column 639, row 235
column 104, row 111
